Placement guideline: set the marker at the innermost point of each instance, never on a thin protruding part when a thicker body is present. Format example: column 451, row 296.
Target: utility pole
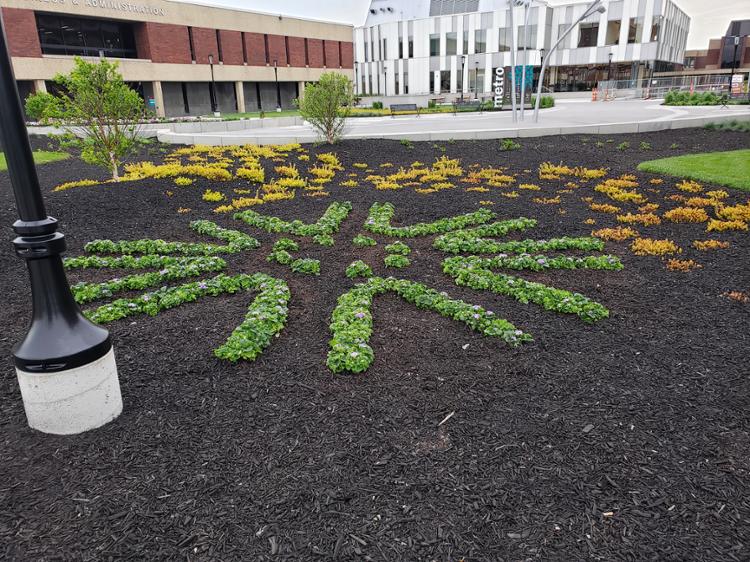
column 278, row 88
column 212, row 89
column 65, row 365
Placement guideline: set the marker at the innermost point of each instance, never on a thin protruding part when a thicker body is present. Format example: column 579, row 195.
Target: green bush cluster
column 307, row 266
column 351, row 321
column 465, row 241
column 236, row 242
column 398, row 248
column 327, row 224
column 676, row 97
column 358, row 268
column 362, row 241
column 545, row 102
column 475, row 272
column 379, row 222
column 396, row 260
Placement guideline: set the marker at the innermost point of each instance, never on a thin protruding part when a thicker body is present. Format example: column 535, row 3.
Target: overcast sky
column 709, row 19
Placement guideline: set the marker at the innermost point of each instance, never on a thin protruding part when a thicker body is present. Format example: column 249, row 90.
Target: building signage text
column 499, row 87
column 108, row 5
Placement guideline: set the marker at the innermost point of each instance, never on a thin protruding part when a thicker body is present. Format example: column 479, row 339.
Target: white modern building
column 451, row 47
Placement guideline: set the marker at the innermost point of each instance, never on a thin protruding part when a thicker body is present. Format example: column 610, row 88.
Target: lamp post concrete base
column 72, row 401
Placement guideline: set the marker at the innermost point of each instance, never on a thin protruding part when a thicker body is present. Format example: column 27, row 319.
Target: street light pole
column 595, row 6
column 609, row 70
column 278, row 88
column 65, row 365
column 526, row 4
column 212, row 89
column 463, row 84
column 734, row 63
column 513, row 50
column 476, row 80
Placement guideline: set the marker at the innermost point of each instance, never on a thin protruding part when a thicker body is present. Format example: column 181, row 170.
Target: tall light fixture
column 527, row 10
column 513, row 50
column 595, row 6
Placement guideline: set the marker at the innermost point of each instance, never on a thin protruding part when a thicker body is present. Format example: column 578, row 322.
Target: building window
column 325, row 59
column 406, row 82
column 286, row 49
column 635, row 30
column 588, row 34
column 613, row 32
column 400, row 47
column 445, row 81
column 530, row 37
column 460, row 79
column 244, row 47
column 655, row 28
column 434, row 44
column 385, row 51
column 480, row 41
column 366, row 53
column 465, row 50
column 63, row 35
column 503, row 43
column 398, row 85
column 307, row 54
column 411, row 47
column 218, row 45
column 561, row 29
column 341, row 59
column 451, row 43
column 265, row 48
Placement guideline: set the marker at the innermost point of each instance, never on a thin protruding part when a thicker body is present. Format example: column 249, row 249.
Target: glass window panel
column 503, row 40
column 531, row 37
column 635, row 30
column 445, row 81
column 434, row 44
column 480, row 41
column 451, row 41
column 588, row 34
column 613, row 32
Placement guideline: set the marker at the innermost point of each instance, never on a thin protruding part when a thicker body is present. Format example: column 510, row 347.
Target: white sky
column 708, row 19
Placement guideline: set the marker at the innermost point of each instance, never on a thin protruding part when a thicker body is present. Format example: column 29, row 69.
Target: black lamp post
column 278, row 88
column 65, row 365
column 212, row 89
column 541, row 56
column 463, row 65
column 734, row 63
column 476, row 80
column 609, row 70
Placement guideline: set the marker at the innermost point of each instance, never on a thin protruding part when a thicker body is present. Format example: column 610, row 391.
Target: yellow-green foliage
column 213, row 196
column 79, row 183
column 330, row 160
column 182, row 181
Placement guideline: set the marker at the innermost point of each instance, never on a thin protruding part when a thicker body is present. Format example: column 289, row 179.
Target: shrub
column 509, row 144
column 545, row 101
column 686, row 214
column 377, row 105
column 649, row 247
column 326, row 105
column 212, row 196
column 182, row 181
column 42, row 106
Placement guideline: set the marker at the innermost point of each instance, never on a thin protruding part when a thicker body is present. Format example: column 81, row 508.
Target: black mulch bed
column 625, row 440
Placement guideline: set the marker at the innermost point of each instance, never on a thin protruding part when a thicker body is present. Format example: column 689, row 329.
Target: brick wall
column 256, row 49
column 204, row 43
column 277, row 49
column 297, row 51
column 315, row 52
column 332, row 53
column 231, row 47
column 23, row 37
column 347, row 54
column 163, row 42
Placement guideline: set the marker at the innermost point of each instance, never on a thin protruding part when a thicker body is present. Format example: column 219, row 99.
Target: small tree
column 98, row 108
column 326, row 105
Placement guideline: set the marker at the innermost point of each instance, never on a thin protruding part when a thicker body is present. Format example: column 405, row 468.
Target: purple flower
column 202, row 286
column 360, row 315
column 489, row 313
column 541, row 261
column 354, row 354
column 476, row 316
column 163, row 272
column 518, row 332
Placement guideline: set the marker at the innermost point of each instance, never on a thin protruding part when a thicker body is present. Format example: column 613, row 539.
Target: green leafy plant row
column 280, row 254
column 398, row 248
column 179, row 269
column 236, row 242
column 469, row 242
column 362, row 241
column 265, row 318
column 379, row 222
column 358, row 268
column 396, row 260
column 475, row 272
column 325, row 225
column 351, row 321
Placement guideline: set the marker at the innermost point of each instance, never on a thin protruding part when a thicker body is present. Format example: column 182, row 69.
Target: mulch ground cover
column 625, row 439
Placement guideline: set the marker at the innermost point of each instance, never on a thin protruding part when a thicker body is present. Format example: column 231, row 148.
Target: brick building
column 721, row 55
column 164, row 49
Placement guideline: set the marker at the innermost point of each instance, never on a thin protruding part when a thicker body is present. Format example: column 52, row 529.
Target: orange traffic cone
column 594, row 94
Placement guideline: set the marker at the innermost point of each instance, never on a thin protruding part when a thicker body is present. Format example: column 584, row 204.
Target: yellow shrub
column 699, row 202
column 182, row 181
column 717, row 194
column 256, row 175
column 529, row 186
column 648, row 207
column 330, row 160
column 546, row 200
column 721, row 226
column 486, row 203
column 682, row 265
column 618, row 234
column 649, row 247
column 386, row 165
column 316, row 193
column 290, row 183
column 589, row 221
column 705, row 245
column 447, row 166
column 689, row 186
column 304, row 157
column 500, row 181
column 322, row 172
column 656, row 181
column 734, row 213
column 79, row 183
column 615, row 189
column 646, row 219
column 686, row 214
column 224, row 209
column 604, row 208
column 383, row 185
column 360, row 165
column 349, row 183
column 589, row 173
column 551, row 171
column 244, row 202
column 510, row 194
column 278, row 196
column 478, row 189
column 442, row 185
column 213, row 196
column 289, row 171
column 183, row 210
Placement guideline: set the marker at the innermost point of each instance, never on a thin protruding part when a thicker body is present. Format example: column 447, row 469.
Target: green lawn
column 40, row 157
column 730, row 168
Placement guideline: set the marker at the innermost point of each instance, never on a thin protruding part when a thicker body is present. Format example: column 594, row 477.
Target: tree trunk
column 113, row 166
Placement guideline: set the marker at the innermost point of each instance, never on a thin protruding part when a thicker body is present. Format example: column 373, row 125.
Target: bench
column 396, row 107
column 460, row 103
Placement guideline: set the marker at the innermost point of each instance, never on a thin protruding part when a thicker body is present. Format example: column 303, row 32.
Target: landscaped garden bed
column 408, row 351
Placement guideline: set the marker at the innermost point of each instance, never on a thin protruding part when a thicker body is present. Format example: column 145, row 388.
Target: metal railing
column 659, row 86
